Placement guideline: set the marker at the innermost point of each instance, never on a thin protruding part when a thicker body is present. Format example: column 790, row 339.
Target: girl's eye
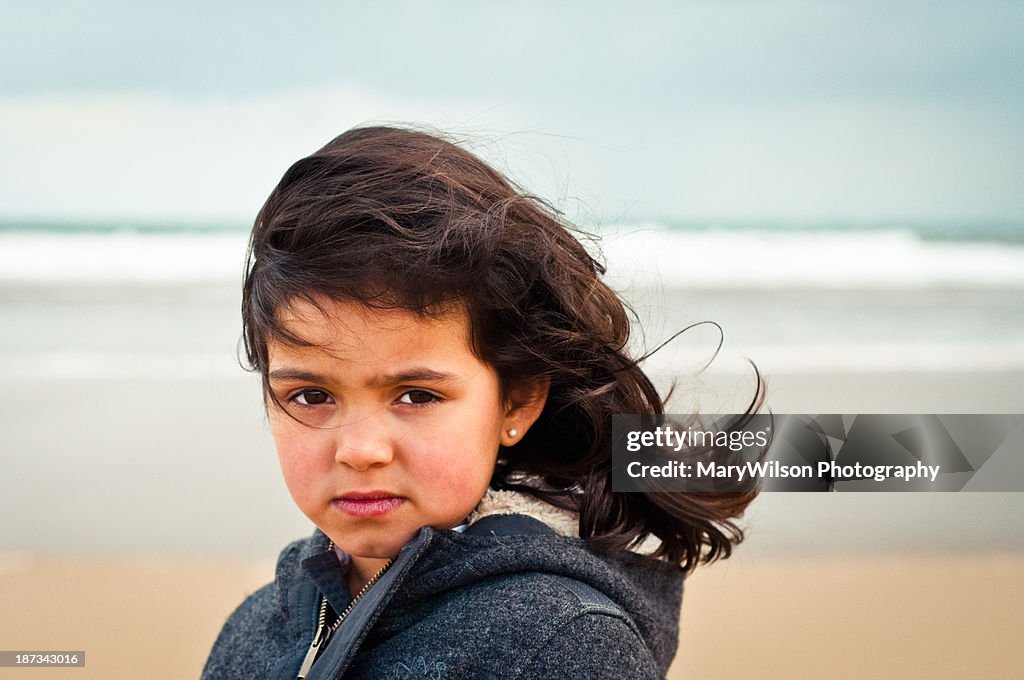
column 311, row 397
column 418, row 398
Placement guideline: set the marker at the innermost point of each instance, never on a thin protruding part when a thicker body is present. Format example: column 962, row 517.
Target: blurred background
column 838, row 185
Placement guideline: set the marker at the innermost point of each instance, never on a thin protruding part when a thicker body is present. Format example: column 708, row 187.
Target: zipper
column 323, row 631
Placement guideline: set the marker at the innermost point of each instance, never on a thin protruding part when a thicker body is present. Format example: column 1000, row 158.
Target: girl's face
column 400, row 422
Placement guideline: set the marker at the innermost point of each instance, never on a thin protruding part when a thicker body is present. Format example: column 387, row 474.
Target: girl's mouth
column 370, row 504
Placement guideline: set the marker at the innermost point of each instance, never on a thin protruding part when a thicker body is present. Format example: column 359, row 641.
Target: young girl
column 440, row 361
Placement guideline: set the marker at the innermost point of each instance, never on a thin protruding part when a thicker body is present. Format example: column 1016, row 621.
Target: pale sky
column 849, row 111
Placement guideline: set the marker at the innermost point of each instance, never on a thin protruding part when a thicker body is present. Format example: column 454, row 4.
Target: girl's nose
column 362, row 444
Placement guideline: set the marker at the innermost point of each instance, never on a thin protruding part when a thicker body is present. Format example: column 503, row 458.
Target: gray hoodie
column 508, row 598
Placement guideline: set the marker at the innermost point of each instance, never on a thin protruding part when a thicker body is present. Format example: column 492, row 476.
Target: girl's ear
column 525, row 403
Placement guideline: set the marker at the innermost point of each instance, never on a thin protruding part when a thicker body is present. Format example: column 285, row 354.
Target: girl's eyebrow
column 414, row 375
column 295, row 374
column 409, row 375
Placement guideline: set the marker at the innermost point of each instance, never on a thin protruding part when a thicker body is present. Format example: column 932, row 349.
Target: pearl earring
column 513, row 432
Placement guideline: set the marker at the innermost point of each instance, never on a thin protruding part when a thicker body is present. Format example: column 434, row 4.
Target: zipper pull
column 322, row 633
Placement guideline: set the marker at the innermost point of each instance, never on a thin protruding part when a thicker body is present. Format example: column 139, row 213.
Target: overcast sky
column 853, row 111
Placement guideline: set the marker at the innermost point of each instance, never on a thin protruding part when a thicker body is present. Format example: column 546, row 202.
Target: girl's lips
column 367, row 505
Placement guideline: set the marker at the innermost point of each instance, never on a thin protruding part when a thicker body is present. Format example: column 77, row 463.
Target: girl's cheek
column 455, row 472
column 303, row 457
column 304, row 475
column 426, row 459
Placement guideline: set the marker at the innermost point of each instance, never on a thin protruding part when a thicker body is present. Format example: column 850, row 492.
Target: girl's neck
column 360, row 571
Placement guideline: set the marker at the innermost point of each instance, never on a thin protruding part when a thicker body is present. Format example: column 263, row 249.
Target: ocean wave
column 729, row 259
column 121, row 257
column 638, row 257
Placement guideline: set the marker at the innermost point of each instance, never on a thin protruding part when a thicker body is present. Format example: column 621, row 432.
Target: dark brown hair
column 400, row 218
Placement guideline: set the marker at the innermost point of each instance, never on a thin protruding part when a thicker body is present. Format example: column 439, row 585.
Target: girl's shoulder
column 515, row 627
column 520, row 623
column 511, row 597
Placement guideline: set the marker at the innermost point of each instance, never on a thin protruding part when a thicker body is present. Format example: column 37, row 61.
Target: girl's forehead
column 350, row 328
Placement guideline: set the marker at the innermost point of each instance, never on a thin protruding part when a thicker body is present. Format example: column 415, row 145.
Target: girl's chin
column 374, row 549
column 383, row 541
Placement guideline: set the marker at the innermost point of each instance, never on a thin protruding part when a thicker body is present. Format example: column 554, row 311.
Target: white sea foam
column 642, row 256
column 738, row 259
column 121, row 257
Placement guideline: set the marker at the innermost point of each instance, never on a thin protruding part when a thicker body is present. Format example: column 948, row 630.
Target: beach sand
column 931, row 617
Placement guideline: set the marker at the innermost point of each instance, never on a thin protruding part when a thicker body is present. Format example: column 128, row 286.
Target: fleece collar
column 564, row 522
